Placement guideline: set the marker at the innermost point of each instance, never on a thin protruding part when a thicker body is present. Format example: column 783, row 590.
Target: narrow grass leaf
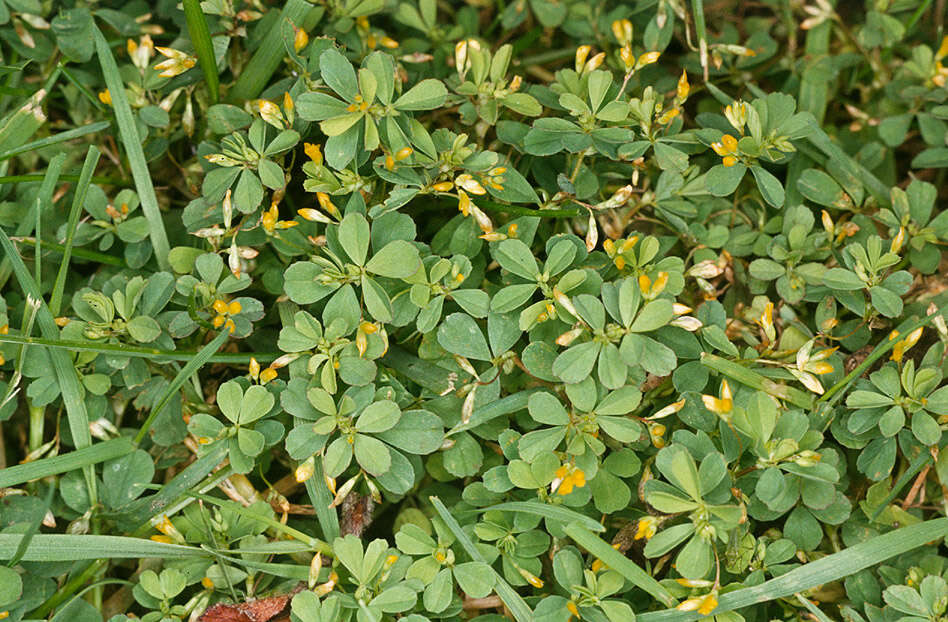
column 68, row 548
column 618, row 562
column 78, row 201
column 555, row 512
column 269, row 55
column 186, row 372
column 321, row 498
column 138, row 513
column 824, row 570
column 100, row 452
column 520, row 610
column 201, row 40
column 140, row 352
column 55, row 139
column 751, row 378
column 133, row 149
column 72, row 394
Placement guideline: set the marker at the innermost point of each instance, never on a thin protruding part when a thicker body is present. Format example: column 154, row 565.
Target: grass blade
column 43, row 200
column 514, row 602
column 100, row 452
column 186, row 372
column 270, row 53
column 55, row 139
column 203, row 47
column 836, row 391
column 321, row 498
column 140, row 511
column 751, row 378
column 68, row 548
column 76, row 413
column 697, row 7
column 133, row 149
column 619, row 562
column 555, row 512
column 140, row 352
column 824, row 570
column 78, row 200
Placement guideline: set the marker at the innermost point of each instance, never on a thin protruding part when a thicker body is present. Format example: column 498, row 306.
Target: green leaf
column 842, row 279
column 378, row 417
column 475, row 579
column 723, row 180
column 397, row 260
column 460, row 334
column 545, row 408
column 653, row 316
column 354, row 237
column 770, row 187
column 338, row 74
column 515, row 256
column 143, row 329
column 426, row 95
column 575, row 364
column 372, row 454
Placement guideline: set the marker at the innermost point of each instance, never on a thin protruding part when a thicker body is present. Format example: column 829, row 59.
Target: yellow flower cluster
column 224, row 310
column 569, row 477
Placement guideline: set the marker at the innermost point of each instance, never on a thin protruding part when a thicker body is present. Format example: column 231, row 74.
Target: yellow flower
column 726, row 148
column 469, row 183
column 305, row 469
column 570, row 477
column 683, row 87
column 442, row 186
column 326, row 203
column 267, row 375
column 207, row 583
column 314, row 152
column 622, row 31
column 573, row 609
column 719, row 405
column 300, row 39
column 582, row 53
column 647, row 59
column 668, row 115
column 628, row 58
column 646, row 528
column 903, row 346
column 652, row 289
column 464, row 203
column 105, row 97
column 178, row 62
column 702, row 604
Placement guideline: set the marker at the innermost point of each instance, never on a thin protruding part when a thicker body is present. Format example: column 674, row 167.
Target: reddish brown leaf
column 262, row 610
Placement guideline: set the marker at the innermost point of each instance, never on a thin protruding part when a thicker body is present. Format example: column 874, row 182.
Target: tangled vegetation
column 553, row 310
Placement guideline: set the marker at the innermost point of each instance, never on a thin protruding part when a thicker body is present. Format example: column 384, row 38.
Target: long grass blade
column 133, row 149
column 619, row 562
column 269, row 55
column 100, row 452
column 78, row 200
column 824, row 570
column 68, row 547
column 834, row 393
column 203, row 47
column 321, row 498
column 514, row 602
column 76, row 413
column 55, row 139
column 140, row 352
column 43, row 200
column 186, row 372
column 137, row 514
column 555, row 512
